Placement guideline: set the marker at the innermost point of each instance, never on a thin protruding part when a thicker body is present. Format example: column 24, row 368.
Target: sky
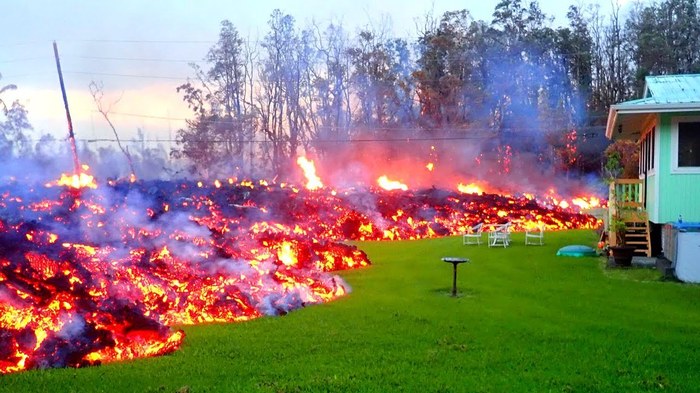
column 140, row 50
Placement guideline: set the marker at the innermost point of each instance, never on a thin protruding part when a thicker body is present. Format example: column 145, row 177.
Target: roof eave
column 648, row 108
column 645, row 108
column 612, row 118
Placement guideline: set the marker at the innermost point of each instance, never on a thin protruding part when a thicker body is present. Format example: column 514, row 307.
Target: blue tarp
column 686, row 226
column 576, row 250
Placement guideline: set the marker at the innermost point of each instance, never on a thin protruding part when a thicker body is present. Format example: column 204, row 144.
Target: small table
column 454, row 261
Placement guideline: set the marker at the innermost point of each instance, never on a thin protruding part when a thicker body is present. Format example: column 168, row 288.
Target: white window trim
column 675, row 169
column 657, row 161
column 652, row 171
column 649, row 124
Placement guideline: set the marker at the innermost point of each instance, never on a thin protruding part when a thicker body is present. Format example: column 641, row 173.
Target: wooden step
column 637, row 235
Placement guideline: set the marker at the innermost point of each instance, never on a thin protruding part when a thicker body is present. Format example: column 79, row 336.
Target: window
column 646, row 154
column 688, row 144
column 685, row 145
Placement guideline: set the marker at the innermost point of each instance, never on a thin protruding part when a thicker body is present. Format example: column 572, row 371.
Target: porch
column 626, row 214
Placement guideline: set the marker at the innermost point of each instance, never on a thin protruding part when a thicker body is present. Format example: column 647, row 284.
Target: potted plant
column 612, row 167
column 615, row 166
column 621, row 252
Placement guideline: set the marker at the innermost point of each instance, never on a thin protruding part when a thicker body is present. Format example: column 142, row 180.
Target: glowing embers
column 89, row 281
column 98, row 276
column 52, row 315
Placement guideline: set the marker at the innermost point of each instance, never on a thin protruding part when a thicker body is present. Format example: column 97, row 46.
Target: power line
column 136, row 59
column 224, row 121
column 6, row 44
column 24, row 59
column 25, row 75
column 148, row 116
column 482, row 136
column 144, row 41
column 126, row 75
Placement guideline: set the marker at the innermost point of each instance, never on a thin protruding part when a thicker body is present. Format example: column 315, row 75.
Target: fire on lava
column 102, row 274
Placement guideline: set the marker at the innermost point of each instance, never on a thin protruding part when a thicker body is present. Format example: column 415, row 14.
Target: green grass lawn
column 525, row 320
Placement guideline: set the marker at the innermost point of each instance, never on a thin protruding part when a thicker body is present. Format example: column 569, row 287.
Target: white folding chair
column 473, row 235
column 500, row 235
column 535, row 236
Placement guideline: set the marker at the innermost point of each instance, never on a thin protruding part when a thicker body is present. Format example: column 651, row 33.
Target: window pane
column 689, row 144
column 653, row 141
column 647, row 150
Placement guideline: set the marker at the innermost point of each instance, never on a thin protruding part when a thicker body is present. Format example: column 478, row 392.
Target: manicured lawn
column 525, row 321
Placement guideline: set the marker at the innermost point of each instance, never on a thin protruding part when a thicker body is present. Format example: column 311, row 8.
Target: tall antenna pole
column 76, row 162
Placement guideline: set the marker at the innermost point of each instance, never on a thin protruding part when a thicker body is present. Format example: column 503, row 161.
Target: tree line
column 515, row 84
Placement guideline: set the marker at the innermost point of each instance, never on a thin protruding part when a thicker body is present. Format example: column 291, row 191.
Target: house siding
column 650, row 196
column 678, row 193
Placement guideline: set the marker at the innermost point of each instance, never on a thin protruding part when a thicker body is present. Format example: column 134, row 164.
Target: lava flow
column 97, row 274
column 94, row 275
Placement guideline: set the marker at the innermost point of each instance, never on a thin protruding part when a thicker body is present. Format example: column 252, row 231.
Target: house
column 665, row 123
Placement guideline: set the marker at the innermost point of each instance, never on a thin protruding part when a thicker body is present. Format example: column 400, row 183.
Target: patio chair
column 535, row 236
column 473, row 235
column 500, row 235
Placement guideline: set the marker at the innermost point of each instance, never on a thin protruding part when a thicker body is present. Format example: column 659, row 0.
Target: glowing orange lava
column 98, row 276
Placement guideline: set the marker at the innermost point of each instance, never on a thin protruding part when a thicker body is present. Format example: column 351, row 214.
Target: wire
column 484, row 134
column 144, row 41
column 136, row 59
column 374, row 129
column 26, row 75
column 147, row 116
column 24, row 59
column 126, row 75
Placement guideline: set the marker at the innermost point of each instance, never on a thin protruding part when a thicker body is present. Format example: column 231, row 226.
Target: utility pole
column 71, row 136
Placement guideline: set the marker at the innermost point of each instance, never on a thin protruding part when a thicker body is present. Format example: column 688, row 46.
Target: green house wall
column 651, row 197
column 671, row 194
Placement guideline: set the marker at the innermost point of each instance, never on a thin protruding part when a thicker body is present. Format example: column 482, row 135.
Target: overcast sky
column 140, row 50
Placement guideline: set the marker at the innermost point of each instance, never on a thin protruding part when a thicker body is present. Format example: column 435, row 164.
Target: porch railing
column 627, row 193
column 626, row 200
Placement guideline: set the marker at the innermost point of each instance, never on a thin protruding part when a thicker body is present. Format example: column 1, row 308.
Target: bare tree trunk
column 97, row 92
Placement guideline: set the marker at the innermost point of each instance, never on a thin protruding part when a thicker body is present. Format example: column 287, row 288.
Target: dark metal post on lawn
column 454, row 279
column 454, row 261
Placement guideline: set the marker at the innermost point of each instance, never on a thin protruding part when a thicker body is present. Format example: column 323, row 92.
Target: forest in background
column 511, row 87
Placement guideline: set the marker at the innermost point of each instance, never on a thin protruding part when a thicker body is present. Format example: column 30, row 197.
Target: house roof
column 673, row 89
column 662, row 94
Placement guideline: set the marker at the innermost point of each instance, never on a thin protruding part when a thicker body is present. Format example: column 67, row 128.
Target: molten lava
column 99, row 275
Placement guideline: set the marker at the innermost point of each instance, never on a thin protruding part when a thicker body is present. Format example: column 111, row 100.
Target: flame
column 114, row 276
column 430, row 166
column 471, row 188
column 76, row 181
column 286, row 254
column 390, row 185
column 586, row 202
column 118, row 305
column 313, row 182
